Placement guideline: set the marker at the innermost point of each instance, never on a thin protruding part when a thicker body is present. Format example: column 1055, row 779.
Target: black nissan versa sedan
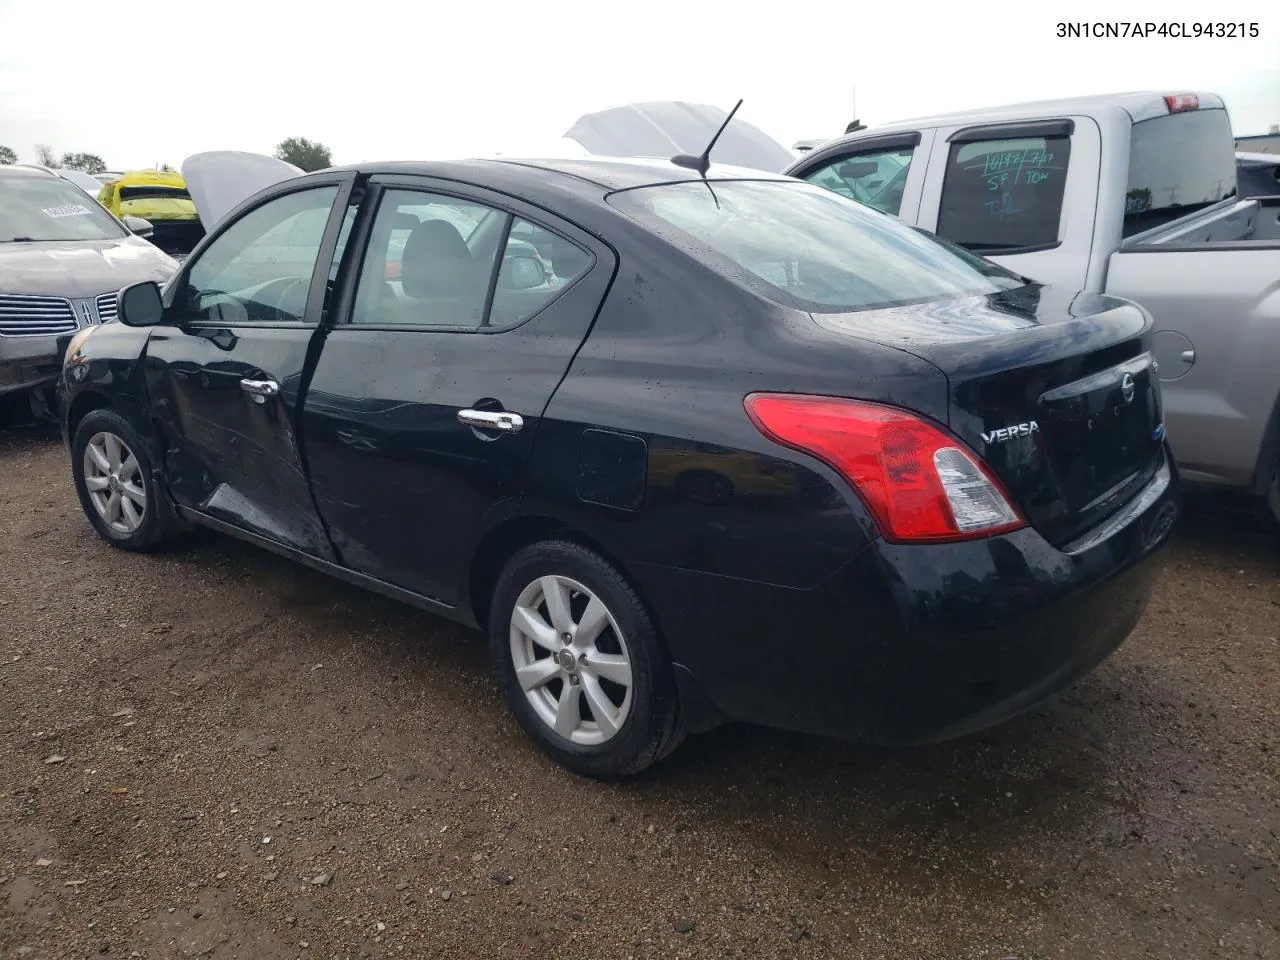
column 742, row 450
column 62, row 260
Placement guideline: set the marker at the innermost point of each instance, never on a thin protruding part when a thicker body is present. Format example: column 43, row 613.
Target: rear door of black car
column 225, row 372
column 452, row 332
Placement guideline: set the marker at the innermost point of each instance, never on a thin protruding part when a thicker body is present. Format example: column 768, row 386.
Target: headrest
column 434, row 255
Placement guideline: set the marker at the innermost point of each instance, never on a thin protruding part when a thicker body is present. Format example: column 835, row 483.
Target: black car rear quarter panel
column 648, row 443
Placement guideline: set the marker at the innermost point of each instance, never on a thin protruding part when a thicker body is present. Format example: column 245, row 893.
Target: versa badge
column 1014, row 430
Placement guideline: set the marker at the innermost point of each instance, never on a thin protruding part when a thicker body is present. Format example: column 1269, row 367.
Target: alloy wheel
column 571, row 660
column 113, row 480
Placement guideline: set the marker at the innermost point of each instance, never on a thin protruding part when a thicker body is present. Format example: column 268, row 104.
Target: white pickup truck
column 1132, row 195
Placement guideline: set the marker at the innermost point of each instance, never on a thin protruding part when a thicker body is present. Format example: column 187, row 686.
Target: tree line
column 86, row 162
column 307, row 155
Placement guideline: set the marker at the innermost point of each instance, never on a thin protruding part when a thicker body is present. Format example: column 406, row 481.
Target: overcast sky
column 405, row 80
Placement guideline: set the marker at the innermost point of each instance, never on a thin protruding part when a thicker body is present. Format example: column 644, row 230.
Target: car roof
column 1139, row 104
column 148, row 178
column 22, row 170
column 608, row 173
column 1131, row 107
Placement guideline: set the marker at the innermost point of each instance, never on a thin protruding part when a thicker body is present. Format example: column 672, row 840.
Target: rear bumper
column 30, row 362
column 911, row 644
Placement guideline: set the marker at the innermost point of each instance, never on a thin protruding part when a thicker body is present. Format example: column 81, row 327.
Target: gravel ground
column 213, row 753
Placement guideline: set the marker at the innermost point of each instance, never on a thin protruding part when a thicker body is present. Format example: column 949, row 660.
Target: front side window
column 1004, row 195
column 877, row 178
column 440, row 261
column 259, row 269
column 38, row 209
column 806, row 247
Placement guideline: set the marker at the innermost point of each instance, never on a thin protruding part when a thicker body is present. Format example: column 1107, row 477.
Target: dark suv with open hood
column 62, row 259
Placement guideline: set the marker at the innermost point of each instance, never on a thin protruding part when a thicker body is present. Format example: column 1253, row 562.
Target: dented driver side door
column 227, row 369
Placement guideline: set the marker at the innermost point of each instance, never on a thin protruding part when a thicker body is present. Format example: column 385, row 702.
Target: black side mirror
column 140, row 305
column 138, row 227
column 857, row 169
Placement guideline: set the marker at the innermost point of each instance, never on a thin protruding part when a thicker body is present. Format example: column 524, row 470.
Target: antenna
column 702, row 162
column 856, row 124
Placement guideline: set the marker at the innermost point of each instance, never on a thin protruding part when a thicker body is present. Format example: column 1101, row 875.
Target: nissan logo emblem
column 1127, row 388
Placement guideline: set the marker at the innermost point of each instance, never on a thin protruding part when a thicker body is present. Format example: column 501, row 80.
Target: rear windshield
column 50, row 208
column 148, row 192
column 1177, row 165
column 806, row 247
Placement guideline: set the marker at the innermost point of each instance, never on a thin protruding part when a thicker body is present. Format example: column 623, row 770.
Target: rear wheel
column 112, row 468
column 580, row 662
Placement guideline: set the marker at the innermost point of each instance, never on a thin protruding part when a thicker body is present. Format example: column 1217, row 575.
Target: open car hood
column 220, row 180
column 664, row 128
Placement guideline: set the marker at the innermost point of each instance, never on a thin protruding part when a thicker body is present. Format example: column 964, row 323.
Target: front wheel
column 580, row 662
column 112, row 468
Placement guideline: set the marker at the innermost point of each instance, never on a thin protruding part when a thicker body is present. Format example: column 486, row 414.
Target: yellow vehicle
column 161, row 198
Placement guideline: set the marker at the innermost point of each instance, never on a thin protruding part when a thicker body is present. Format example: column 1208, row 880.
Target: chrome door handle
column 499, row 420
column 260, row 388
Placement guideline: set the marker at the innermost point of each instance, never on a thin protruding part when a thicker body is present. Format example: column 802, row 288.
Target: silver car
column 62, row 259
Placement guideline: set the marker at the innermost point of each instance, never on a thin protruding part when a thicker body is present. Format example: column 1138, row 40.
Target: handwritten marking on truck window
column 1008, row 168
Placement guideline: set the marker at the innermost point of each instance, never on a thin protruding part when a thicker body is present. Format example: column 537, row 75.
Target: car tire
column 113, row 469
column 570, row 697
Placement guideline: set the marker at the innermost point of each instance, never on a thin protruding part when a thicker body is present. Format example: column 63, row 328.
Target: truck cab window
column 876, row 178
column 1002, row 196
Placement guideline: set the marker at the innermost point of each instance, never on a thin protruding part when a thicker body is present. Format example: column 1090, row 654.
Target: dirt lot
column 214, row 753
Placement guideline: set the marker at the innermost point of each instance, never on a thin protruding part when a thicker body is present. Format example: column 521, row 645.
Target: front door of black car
column 455, row 330
column 224, row 373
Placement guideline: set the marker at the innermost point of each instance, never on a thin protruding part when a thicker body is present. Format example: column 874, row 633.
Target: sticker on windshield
column 66, row 210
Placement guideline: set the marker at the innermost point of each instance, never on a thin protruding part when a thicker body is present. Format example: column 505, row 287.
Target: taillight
column 918, row 482
column 1177, row 102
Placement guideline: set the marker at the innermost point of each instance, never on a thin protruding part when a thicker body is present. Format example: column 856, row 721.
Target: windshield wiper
column 22, row 240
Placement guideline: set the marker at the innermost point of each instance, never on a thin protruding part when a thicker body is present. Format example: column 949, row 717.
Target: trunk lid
column 1055, row 390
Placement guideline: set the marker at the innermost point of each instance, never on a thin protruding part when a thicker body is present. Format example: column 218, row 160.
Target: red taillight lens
column 1177, row 102
column 918, row 482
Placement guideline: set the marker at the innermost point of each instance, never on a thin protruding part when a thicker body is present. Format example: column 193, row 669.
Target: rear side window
column 536, row 265
column 1178, row 164
column 876, row 178
column 440, row 261
column 1002, row 196
column 805, row 247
